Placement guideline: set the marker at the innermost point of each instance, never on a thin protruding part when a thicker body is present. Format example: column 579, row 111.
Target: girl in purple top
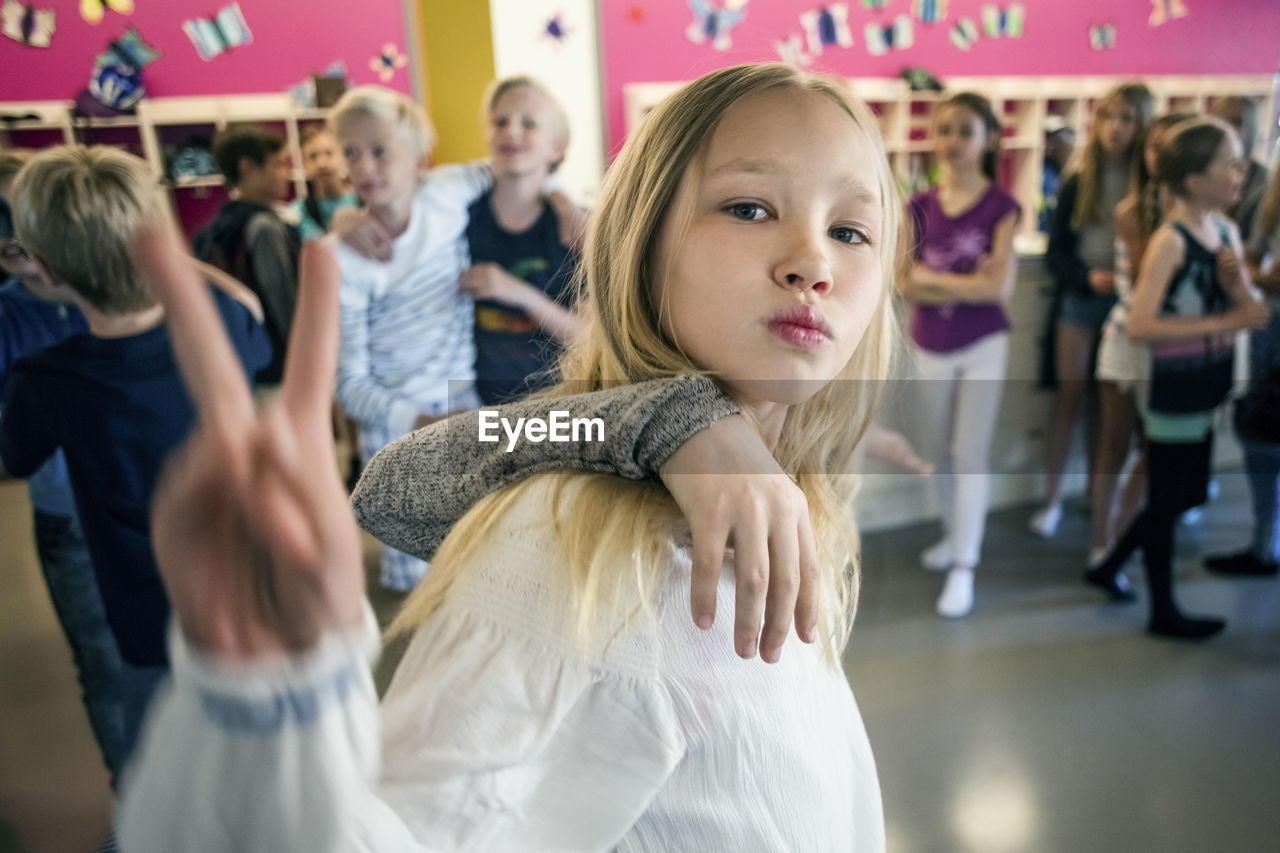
column 963, row 273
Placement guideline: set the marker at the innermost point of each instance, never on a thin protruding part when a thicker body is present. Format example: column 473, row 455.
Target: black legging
column 1177, row 480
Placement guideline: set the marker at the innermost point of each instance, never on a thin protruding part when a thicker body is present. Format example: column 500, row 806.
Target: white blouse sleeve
column 489, row 743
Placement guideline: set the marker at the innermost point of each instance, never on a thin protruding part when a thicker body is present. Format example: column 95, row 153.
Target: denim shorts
column 1085, row 311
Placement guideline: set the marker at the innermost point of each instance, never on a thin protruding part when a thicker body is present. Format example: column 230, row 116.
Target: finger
column 780, row 602
column 751, row 571
column 312, row 358
column 210, row 368
column 709, row 541
column 279, row 505
column 810, row 578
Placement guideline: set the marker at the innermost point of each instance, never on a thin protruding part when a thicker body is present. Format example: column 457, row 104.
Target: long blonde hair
column 615, row 524
column 1089, row 196
column 1269, row 208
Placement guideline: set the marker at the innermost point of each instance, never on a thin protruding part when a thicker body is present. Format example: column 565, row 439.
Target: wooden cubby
column 1023, row 103
column 161, row 122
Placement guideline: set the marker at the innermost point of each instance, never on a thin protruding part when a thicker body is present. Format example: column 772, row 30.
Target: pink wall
column 645, row 40
column 290, row 40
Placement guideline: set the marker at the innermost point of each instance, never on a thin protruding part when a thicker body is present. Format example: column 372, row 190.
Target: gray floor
column 1047, row 721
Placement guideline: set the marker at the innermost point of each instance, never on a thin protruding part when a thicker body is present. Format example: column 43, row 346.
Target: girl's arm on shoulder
column 571, row 218
column 460, row 184
column 716, row 467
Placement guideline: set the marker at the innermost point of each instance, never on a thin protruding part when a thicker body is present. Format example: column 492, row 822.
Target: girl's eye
column 349, row 153
column 747, row 211
column 530, row 125
column 379, row 153
column 845, row 234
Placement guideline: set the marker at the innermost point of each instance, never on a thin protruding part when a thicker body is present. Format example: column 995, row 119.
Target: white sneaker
column 1045, row 522
column 937, row 558
column 1096, row 556
column 957, row 594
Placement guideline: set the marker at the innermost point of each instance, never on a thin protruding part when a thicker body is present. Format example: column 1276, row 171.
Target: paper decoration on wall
column 920, row 80
column 93, row 10
column 929, row 11
column 964, row 33
column 897, row 36
column 304, row 92
column 1008, row 22
column 1102, row 36
column 27, row 25
column 714, row 23
column 1163, row 11
column 388, row 62
column 636, row 13
column 116, row 81
column 827, row 26
column 792, row 52
column 217, row 35
column 875, row 4
column 555, row 29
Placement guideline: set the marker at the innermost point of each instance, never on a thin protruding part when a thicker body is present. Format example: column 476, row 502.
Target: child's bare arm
column 232, row 286
column 491, row 281
column 1164, row 255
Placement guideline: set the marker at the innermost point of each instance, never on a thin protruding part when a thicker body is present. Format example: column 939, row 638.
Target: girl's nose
column 804, row 266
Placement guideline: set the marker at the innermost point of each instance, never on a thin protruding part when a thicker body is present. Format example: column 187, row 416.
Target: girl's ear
column 425, row 161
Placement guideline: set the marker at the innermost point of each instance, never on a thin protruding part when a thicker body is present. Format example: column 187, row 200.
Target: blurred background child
column 1081, row 258
column 521, row 273
column 962, row 276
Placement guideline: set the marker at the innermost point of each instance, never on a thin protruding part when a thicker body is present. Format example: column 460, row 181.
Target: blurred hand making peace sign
column 252, row 527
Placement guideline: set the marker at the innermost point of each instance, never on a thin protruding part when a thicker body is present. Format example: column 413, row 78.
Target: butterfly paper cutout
column 28, row 25
column 1009, row 21
column 93, row 10
column 1102, row 36
column 714, row 23
column 388, row 62
column 792, row 52
column 304, row 92
column 897, row 36
column 1163, row 11
column 827, row 26
column 117, row 73
column 555, row 29
column 214, row 36
column 929, row 11
column 964, row 34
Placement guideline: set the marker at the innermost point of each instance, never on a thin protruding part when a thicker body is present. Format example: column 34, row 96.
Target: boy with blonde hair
column 112, row 400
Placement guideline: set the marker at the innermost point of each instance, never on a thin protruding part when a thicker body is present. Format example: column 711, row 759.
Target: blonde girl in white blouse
column 555, row 695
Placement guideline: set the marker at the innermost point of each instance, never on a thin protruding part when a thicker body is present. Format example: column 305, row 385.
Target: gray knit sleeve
column 415, row 489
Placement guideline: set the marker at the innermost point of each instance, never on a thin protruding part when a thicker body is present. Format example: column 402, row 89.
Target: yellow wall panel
column 457, row 47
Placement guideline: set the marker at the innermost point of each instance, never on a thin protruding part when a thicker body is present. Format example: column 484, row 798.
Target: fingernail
column 704, row 621
column 772, row 655
column 749, row 650
column 807, row 636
